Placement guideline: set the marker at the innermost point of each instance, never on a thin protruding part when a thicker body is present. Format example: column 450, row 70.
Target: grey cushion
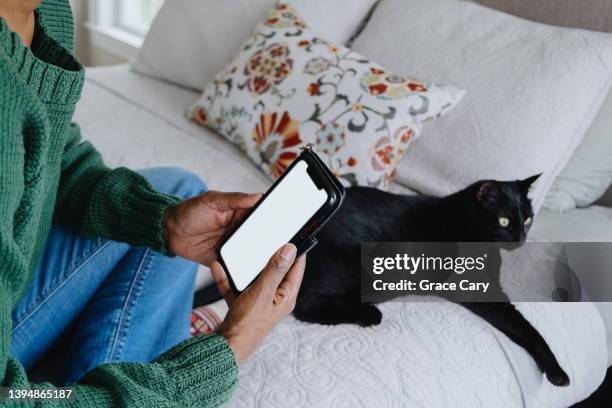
column 588, row 14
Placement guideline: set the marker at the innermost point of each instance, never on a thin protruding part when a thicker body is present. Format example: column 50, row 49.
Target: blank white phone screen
column 277, row 219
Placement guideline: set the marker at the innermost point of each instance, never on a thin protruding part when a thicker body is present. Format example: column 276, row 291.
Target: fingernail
column 288, row 252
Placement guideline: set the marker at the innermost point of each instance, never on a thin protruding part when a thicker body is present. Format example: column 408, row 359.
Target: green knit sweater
column 48, row 174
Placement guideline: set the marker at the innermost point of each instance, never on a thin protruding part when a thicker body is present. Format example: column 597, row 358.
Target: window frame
column 118, row 20
column 107, row 31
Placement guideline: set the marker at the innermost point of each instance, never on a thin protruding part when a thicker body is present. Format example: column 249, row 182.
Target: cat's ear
column 525, row 185
column 488, row 193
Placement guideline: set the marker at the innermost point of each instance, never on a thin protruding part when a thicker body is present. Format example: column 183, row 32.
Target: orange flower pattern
column 276, row 138
column 268, row 67
column 288, row 86
column 282, row 17
column 391, row 87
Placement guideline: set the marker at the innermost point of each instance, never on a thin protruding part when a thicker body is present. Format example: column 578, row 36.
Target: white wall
column 87, row 53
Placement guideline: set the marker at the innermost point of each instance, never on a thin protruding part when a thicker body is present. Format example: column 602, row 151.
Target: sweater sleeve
column 200, row 372
column 116, row 204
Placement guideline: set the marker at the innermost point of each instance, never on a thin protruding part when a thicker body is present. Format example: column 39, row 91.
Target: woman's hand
column 254, row 313
column 193, row 228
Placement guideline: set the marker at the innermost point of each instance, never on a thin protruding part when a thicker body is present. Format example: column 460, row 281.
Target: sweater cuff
column 148, row 208
column 206, row 359
column 90, row 396
column 126, row 208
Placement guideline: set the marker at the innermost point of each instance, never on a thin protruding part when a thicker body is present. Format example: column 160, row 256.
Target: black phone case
column 305, row 239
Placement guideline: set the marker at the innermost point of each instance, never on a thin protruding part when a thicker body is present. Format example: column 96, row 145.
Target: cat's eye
column 504, row 222
column 528, row 221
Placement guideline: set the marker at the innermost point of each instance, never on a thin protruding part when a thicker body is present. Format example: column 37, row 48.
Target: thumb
column 231, row 201
column 276, row 269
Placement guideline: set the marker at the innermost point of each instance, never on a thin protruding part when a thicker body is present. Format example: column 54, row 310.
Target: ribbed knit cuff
column 147, row 209
column 124, row 207
column 203, row 369
column 88, row 396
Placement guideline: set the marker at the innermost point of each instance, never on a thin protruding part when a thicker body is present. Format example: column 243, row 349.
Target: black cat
column 487, row 211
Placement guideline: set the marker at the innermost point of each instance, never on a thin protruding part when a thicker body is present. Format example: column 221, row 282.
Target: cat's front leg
column 506, row 318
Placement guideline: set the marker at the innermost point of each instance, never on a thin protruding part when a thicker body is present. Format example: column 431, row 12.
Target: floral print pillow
column 288, row 87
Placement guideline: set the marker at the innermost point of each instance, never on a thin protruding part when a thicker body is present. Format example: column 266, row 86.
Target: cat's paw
column 370, row 316
column 557, row 377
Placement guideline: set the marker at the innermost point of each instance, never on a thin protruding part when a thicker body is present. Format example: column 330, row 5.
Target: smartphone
column 299, row 203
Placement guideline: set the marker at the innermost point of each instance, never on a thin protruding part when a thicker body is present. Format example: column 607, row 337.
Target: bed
column 423, row 354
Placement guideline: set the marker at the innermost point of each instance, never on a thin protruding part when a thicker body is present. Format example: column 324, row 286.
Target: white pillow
column 589, row 172
column 533, row 90
column 191, row 40
column 289, row 86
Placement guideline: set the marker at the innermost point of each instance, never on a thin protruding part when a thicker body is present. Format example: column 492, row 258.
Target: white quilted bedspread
column 424, row 354
column 429, row 354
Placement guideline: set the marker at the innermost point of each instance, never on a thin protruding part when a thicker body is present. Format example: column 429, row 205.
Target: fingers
column 239, row 215
column 293, row 278
column 222, row 282
column 231, row 201
column 278, row 266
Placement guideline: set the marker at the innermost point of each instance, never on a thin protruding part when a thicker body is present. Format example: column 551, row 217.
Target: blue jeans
column 121, row 303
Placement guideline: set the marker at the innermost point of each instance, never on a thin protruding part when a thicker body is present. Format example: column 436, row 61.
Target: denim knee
column 175, row 181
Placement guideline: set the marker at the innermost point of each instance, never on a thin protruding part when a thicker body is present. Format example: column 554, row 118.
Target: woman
column 119, row 294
